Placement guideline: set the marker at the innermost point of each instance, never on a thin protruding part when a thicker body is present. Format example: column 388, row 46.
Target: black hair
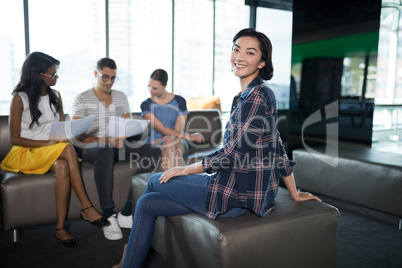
column 267, row 71
column 160, row 75
column 31, row 83
column 106, row 62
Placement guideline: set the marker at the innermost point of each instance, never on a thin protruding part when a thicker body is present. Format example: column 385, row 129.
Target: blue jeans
column 180, row 195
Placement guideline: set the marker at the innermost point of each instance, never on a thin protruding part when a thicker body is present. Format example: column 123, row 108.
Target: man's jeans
column 145, row 156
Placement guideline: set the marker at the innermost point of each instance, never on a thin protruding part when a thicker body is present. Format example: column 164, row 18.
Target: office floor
column 362, row 242
column 389, row 146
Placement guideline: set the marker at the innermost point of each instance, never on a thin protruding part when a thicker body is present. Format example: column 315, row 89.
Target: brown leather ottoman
column 292, row 235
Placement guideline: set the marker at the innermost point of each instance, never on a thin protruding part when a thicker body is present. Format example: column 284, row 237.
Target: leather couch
column 294, row 234
column 362, row 176
column 27, row 200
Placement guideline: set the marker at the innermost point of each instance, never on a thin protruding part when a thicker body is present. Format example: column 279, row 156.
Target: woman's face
column 156, row 89
column 50, row 76
column 246, row 57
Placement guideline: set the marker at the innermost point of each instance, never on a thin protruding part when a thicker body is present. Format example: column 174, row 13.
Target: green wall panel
column 355, row 45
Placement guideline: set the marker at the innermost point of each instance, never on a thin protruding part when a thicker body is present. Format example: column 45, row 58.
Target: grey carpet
column 38, row 247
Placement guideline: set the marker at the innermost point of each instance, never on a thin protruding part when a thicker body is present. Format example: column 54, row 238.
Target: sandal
column 99, row 222
column 69, row 243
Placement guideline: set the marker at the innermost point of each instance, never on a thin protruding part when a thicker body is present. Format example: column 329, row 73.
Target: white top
column 86, row 104
column 42, row 131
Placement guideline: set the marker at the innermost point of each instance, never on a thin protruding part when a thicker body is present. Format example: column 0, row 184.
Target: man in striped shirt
column 103, row 151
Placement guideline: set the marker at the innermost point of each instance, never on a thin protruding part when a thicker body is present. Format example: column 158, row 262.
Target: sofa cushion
column 29, row 199
column 208, row 123
column 5, row 145
column 361, row 176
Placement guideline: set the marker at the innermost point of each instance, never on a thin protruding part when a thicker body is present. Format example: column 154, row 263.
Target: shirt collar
column 256, row 82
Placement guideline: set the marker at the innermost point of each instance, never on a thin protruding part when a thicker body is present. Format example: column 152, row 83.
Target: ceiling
column 319, row 20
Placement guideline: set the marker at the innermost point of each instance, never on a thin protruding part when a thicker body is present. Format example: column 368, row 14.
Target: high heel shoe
column 122, row 258
column 69, row 243
column 99, row 222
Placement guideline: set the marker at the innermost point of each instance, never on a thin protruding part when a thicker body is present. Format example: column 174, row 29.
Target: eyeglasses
column 49, row 75
column 106, row 78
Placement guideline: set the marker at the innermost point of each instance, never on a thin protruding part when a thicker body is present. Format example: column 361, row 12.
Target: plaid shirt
column 248, row 168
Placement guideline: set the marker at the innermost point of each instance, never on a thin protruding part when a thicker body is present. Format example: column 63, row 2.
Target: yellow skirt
column 32, row 160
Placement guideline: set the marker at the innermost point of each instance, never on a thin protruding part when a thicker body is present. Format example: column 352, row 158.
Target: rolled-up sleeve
column 282, row 162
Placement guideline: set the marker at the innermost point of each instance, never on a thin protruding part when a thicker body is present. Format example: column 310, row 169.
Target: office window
column 230, row 18
column 353, row 77
column 12, row 50
column 387, row 122
column 120, row 45
column 140, row 40
column 389, row 77
column 73, row 32
column 193, row 48
column 281, row 39
column 371, row 78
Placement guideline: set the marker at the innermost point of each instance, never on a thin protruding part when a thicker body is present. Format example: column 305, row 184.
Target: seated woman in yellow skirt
column 33, row 109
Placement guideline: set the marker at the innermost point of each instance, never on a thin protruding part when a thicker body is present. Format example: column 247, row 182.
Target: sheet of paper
column 122, row 127
column 70, row 129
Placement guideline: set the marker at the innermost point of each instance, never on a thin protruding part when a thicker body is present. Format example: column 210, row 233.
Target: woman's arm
column 181, row 171
column 61, row 111
column 294, row 193
column 161, row 128
column 178, row 128
column 246, row 124
column 180, row 123
column 15, row 126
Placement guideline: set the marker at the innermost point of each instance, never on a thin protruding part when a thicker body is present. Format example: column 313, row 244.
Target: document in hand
column 123, row 127
column 70, row 129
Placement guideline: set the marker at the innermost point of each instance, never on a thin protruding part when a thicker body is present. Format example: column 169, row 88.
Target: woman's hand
column 173, row 172
column 158, row 140
column 181, row 171
column 197, row 137
column 304, row 196
column 51, row 142
column 296, row 194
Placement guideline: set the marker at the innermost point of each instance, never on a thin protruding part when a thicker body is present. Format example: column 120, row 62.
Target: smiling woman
column 243, row 176
column 247, row 60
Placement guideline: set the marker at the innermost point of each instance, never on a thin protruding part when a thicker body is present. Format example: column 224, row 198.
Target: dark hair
column 106, row 62
column 160, row 75
column 267, row 71
column 31, row 83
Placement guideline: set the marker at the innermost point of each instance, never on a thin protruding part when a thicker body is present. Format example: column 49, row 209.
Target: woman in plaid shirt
column 243, row 176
